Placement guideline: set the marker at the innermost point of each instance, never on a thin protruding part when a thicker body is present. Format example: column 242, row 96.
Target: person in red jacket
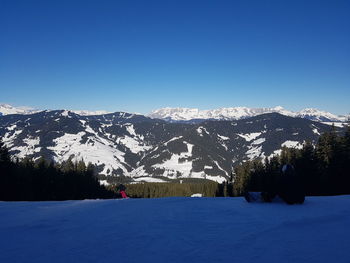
column 122, row 189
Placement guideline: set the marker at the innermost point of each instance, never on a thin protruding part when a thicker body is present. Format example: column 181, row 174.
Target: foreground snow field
column 175, row 230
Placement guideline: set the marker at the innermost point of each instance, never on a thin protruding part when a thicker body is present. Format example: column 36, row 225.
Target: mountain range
column 237, row 113
column 139, row 148
column 192, row 115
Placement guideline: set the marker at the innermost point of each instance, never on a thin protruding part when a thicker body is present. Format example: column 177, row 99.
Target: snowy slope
column 175, row 230
column 237, row 113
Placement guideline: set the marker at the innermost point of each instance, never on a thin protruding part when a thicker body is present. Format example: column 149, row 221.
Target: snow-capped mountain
column 137, row 147
column 6, row 109
column 237, row 113
column 318, row 115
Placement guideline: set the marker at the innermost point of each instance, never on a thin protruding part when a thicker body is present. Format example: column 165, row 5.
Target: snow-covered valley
column 175, row 230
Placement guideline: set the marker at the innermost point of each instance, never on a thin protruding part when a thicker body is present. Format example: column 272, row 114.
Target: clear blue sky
column 142, row 55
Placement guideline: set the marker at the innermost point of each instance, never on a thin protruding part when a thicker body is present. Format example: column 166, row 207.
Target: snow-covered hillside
column 141, row 148
column 175, row 230
column 237, row 113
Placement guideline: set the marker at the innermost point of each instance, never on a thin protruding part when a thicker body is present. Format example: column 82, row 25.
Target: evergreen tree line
column 323, row 169
column 156, row 190
column 28, row 181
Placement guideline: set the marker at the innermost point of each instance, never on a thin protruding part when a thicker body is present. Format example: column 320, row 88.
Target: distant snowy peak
column 6, row 109
column 237, row 113
column 318, row 115
column 178, row 114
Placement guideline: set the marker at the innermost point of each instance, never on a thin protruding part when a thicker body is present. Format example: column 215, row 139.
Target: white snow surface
column 316, row 131
column 258, row 141
column 202, row 130
column 104, row 182
column 336, row 124
column 201, row 175
column 173, row 139
column 255, row 152
column 292, row 144
column 249, row 136
column 223, row 137
column 175, row 230
column 148, row 179
column 9, row 137
column 133, row 144
column 189, row 147
column 29, row 149
column 275, row 153
column 174, row 165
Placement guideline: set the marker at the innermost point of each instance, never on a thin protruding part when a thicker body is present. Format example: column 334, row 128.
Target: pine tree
column 326, row 146
column 41, row 163
column 347, row 142
column 90, row 169
column 4, row 153
column 5, row 172
column 81, row 167
column 68, row 166
column 307, row 169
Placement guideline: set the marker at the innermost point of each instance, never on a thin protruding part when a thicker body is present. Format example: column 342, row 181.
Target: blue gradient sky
column 141, row 55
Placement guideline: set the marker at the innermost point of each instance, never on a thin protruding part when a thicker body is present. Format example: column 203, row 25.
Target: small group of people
column 289, row 188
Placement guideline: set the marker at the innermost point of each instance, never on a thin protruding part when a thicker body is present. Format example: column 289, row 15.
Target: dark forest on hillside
column 323, row 169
